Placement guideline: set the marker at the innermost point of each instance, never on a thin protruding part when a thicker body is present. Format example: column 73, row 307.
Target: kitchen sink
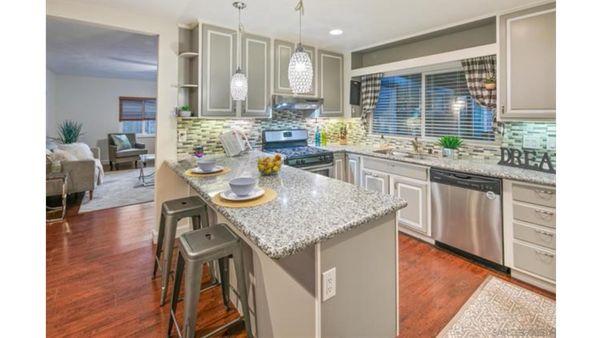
column 398, row 153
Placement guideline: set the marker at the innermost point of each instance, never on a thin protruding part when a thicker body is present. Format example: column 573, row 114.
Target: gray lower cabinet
column 527, row 64
column 375, row 181
column 331, row 83
column 283, row 53
column 219, row 50
column 415, row 215
column 339, row 166
column 256, row 63
column 353, row 169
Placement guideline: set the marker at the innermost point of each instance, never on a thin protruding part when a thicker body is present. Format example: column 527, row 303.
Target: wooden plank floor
column 99, row 266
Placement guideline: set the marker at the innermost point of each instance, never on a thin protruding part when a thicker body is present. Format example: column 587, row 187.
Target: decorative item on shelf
column 343, row 133
column 450, row 145
column 526, row 159
column 300, row 68
column 269, row 165
column 199, row 151
column 490, row 82
column 69, row 131
column 239, row 81
column 185, row 111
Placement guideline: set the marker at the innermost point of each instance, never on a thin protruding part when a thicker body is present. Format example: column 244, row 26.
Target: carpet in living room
column 119, row 188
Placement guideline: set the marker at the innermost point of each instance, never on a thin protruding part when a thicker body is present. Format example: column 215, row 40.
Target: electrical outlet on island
column 328, row 284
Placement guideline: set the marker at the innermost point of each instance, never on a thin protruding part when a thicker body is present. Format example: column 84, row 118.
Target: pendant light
column 239, row 81
column 300, row 69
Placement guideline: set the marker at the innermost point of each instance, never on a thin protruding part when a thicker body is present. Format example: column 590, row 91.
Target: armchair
column 128, row 155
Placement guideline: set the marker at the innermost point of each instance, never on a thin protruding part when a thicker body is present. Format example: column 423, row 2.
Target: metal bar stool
column 196, row 248
column 172, row 212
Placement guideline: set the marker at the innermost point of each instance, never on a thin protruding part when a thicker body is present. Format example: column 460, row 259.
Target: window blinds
column 450, row 109
column 398, row 110
column 137, row 109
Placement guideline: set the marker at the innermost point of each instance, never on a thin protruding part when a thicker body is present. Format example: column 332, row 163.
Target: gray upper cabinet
column 219, row 50
column 527, row 64
column 283, row 53
column 256, row 63
column 331, row 83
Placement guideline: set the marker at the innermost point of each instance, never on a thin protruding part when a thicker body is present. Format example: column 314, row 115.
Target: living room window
column 137, row 115
column 431, row 105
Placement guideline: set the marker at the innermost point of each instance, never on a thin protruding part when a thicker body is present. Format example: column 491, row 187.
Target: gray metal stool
column 172, row 212
column 196, row 248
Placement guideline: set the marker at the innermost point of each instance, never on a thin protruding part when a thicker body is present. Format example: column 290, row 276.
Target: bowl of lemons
column 269, row 165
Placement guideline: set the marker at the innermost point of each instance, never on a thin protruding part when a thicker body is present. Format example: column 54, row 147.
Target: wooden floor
column 99, row 266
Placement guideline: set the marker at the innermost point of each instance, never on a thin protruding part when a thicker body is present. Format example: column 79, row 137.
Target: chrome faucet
column 417, row 146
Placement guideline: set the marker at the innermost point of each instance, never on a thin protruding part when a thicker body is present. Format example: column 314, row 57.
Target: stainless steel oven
column 325, row 170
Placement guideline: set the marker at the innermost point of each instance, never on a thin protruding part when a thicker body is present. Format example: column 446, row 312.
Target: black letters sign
column 526, row 159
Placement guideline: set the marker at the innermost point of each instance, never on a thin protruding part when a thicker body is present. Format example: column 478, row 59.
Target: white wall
column 50, row 101
column 94, row 102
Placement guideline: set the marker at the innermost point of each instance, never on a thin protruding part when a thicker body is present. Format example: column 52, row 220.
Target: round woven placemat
column 269, row 195
column 190, row 173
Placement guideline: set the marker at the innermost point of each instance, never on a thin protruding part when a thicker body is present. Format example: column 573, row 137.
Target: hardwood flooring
column 99, row 266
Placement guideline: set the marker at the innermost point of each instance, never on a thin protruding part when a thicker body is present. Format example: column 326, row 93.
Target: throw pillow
column 121, row 141
column 63, row 155
column 81, row 151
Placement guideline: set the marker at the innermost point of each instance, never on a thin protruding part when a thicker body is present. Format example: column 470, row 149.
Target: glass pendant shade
column 239, row 86
column 300, row 72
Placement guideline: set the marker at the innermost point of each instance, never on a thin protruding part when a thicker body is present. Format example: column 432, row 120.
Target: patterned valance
column 476, row 71
column 369, row 94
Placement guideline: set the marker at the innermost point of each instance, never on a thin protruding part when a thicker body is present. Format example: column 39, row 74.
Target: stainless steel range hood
column 307, row 105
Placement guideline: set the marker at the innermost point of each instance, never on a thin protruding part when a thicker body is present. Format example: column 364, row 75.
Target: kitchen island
column 314, row 225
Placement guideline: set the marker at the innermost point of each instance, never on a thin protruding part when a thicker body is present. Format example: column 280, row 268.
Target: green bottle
column 324, row 138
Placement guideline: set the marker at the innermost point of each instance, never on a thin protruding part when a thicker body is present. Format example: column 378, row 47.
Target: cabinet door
column 375, row 181
column 331, row 82
column 414, row 215
column 256, row 63
column 283, row 53
column 339, row 168
column 527, row 64
column 219, row 50
column 352, row 170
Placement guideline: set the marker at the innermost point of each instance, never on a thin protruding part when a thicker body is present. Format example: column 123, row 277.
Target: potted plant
column 490, row 82
column 69, row 131
column 185, row 111
column 450, row 145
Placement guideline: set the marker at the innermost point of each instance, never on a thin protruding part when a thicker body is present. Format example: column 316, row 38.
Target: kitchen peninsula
column 315, row 224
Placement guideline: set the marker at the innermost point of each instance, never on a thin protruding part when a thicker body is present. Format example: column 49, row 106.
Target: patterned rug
column 500, row 309
column 119, row 188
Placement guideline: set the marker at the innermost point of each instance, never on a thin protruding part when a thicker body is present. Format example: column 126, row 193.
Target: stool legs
column 193, row 278
column 169, row 240
column 159, row 243
column 176, row 288
column 224, row 272
column 242, row 291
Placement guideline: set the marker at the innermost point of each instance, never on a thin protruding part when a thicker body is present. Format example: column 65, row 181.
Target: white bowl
column 242, row 186
column 206, row 165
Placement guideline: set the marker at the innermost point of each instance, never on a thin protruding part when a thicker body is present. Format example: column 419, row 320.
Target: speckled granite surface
column 309, row 208
column 481, row 167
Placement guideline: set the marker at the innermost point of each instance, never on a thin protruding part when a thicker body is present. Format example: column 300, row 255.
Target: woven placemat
column 269, row 195
column 190, row 173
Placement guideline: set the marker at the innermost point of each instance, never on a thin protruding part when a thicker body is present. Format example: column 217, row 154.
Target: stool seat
column 207, row 241
column 183, row 207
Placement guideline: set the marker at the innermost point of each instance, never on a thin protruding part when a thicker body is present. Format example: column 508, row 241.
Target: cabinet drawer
column 534, row 214
column 535, row 195
column 535, row 235
column 397, row 168
column 537, row 261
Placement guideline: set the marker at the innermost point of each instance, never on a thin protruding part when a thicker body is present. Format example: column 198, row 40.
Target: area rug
column 119, row 188
column 502, row 309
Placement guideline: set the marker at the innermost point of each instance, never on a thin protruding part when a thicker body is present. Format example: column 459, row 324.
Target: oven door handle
column 317, row 167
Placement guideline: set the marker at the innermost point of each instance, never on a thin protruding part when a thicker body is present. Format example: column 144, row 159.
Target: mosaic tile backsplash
column 205, row 132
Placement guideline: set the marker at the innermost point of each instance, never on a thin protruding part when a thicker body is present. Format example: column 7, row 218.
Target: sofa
column 132, row 154
column 83, row 168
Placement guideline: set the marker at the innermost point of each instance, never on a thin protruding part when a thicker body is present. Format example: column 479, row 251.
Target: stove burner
column 295, row 152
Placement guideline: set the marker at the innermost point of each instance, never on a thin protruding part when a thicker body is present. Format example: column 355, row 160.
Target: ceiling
column 75, row 48
column 364, row 22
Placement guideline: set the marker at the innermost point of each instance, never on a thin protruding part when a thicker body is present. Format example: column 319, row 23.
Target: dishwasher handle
column 467, row 181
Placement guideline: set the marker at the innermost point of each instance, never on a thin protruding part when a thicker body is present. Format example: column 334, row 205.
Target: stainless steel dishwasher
column 466, row 213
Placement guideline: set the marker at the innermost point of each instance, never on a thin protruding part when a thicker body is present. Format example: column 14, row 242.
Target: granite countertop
column 309, row 208
column 472, row 166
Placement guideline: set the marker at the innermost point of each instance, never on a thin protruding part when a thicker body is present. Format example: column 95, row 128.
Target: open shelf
column 188, row 54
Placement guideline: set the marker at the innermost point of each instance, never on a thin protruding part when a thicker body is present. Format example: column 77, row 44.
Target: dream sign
column 526, row 159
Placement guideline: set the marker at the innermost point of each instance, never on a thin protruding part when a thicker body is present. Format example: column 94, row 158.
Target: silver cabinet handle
column 545, row 254
column 545, row 233
column 544, row 194
column 543, row 213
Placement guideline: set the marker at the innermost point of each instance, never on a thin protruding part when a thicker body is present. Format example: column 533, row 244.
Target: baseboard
column 532, row 280
column 415, row 234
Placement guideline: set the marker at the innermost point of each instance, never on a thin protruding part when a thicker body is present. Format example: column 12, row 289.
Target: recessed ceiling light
column 336, row 32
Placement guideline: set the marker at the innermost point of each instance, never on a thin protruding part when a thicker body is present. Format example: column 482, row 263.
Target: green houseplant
column 490, row 82
column 69, row 131
column 450, row 145
column 185, row 111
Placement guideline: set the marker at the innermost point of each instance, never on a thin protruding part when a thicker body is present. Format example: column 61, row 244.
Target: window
column 398, row 110
column 137, row 115
column 445, row 107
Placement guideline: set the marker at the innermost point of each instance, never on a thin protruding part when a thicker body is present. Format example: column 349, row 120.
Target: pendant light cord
column 300, row 9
